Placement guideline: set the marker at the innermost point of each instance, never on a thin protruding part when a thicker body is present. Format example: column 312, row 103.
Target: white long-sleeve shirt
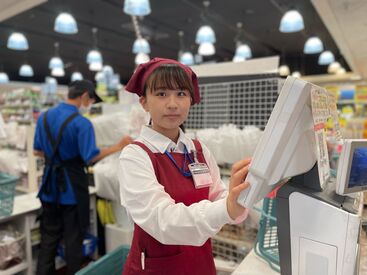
column 154, row 210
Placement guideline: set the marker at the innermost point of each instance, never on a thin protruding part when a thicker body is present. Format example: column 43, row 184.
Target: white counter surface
column 254, row 265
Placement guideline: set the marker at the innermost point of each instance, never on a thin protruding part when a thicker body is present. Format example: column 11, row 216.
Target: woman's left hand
column 236, row 186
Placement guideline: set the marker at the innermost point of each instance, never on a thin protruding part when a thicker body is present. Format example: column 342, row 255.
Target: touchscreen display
column 358, row 169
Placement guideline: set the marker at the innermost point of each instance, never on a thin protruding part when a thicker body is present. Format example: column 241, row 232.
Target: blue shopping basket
column 111, row 263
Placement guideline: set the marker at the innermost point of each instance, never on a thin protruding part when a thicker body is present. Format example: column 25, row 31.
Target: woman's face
column 168, row 108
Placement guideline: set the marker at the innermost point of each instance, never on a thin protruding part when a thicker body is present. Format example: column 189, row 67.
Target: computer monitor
column 352, row 167
column 287, row 146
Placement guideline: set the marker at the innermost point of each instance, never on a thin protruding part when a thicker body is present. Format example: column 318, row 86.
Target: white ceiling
column 9, row 8
column 346, row 21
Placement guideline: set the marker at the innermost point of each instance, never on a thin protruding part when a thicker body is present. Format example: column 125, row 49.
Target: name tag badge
column 200, row 174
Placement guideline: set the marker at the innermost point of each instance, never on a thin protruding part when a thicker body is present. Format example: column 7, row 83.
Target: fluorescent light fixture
column 284, row 70
column 206, row 49
column 4, row 78
column 292, row 21
column 141, row 45
column 205, row 34
column 141, row 58
column 313, row 45
column 17, row 41
column 326, row 58
column 65, row 23
column 137, row 7
column 76, row 76
column 56, row 62
column 94, row 56
column 95, row 66
column 26, row 71
column 187, row 58
column 58, row 72
column 243, row 50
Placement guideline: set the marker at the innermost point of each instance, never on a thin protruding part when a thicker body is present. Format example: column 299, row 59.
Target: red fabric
column 137, row 81
column 171, row 259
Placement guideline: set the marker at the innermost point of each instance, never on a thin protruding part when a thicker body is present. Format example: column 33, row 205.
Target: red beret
column 137, row 81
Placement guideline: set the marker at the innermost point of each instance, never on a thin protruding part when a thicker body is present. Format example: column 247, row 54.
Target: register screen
column 358, row 170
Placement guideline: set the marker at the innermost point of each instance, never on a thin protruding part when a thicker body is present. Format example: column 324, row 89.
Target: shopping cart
column 111, row 263
column 267, row 237
column 7, row 192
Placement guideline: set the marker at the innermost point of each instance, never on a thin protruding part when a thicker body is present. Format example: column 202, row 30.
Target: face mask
column 84, row 110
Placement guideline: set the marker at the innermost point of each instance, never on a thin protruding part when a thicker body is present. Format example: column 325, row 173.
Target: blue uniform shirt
column 78, row 139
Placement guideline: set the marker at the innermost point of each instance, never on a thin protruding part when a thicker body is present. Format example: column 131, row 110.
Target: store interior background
column 170, row 29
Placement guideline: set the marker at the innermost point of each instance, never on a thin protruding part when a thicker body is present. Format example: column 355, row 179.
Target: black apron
column 75, row 170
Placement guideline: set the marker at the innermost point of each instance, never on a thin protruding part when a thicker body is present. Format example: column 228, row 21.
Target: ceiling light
column 94, row 56
column 65, row 23
column 100, row 77
column 95, row 66
column 141, row 45
column 291, row 21
column 17, row 41
column 206, row 49
column 141, row 58
column 296, row 74
column 313, row 45
column 4, row 78
column 187, row 58
column 58, row 72
column 238, row 58
column 107, row 70
column 56, row 62
column 76, row 76
column 243, row 50
column 284, row 70
column 137, row 7
column 326, row 58
column 26, row 71
column 205, row 34
column 341, row 71
column 333, row 67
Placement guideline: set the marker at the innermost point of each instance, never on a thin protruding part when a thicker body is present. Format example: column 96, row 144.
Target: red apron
column 163, row 259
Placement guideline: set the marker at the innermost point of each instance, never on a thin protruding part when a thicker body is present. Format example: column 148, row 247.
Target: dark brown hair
column 169, row 76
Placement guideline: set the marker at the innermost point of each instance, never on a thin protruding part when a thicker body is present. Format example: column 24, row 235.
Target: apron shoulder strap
column 55, row 143
column 197, row 145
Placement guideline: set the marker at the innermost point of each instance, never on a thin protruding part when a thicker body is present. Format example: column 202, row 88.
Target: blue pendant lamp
column 243, row 51
column 187, row 58
column 137, row 7
column 65, row 23
column 326, row 58
column 141, row 58
column 313, row 45
column 206, row 49
column 205, row 34
column 56, row 62
column 76, row 76
column 4, row 78
column 141, row 45
column 292, row 21
column 17, row 41
column 94, row 56
column 26, row 71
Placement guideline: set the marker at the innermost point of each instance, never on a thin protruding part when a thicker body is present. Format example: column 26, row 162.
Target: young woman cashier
column 170, row 184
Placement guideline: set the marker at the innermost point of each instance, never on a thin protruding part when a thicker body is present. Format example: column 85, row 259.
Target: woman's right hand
column 236, row 185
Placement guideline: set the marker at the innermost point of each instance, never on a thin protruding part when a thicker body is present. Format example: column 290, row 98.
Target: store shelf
column 15, row 269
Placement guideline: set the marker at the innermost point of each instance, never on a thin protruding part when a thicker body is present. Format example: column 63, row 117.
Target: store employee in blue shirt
column 67, row 142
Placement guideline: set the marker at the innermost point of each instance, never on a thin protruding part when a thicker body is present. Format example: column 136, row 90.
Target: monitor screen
column 287, row 146
column 358, row 169
column 352, row 167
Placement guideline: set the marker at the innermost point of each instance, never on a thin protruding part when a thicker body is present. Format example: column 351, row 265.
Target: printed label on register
column 320, row 113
